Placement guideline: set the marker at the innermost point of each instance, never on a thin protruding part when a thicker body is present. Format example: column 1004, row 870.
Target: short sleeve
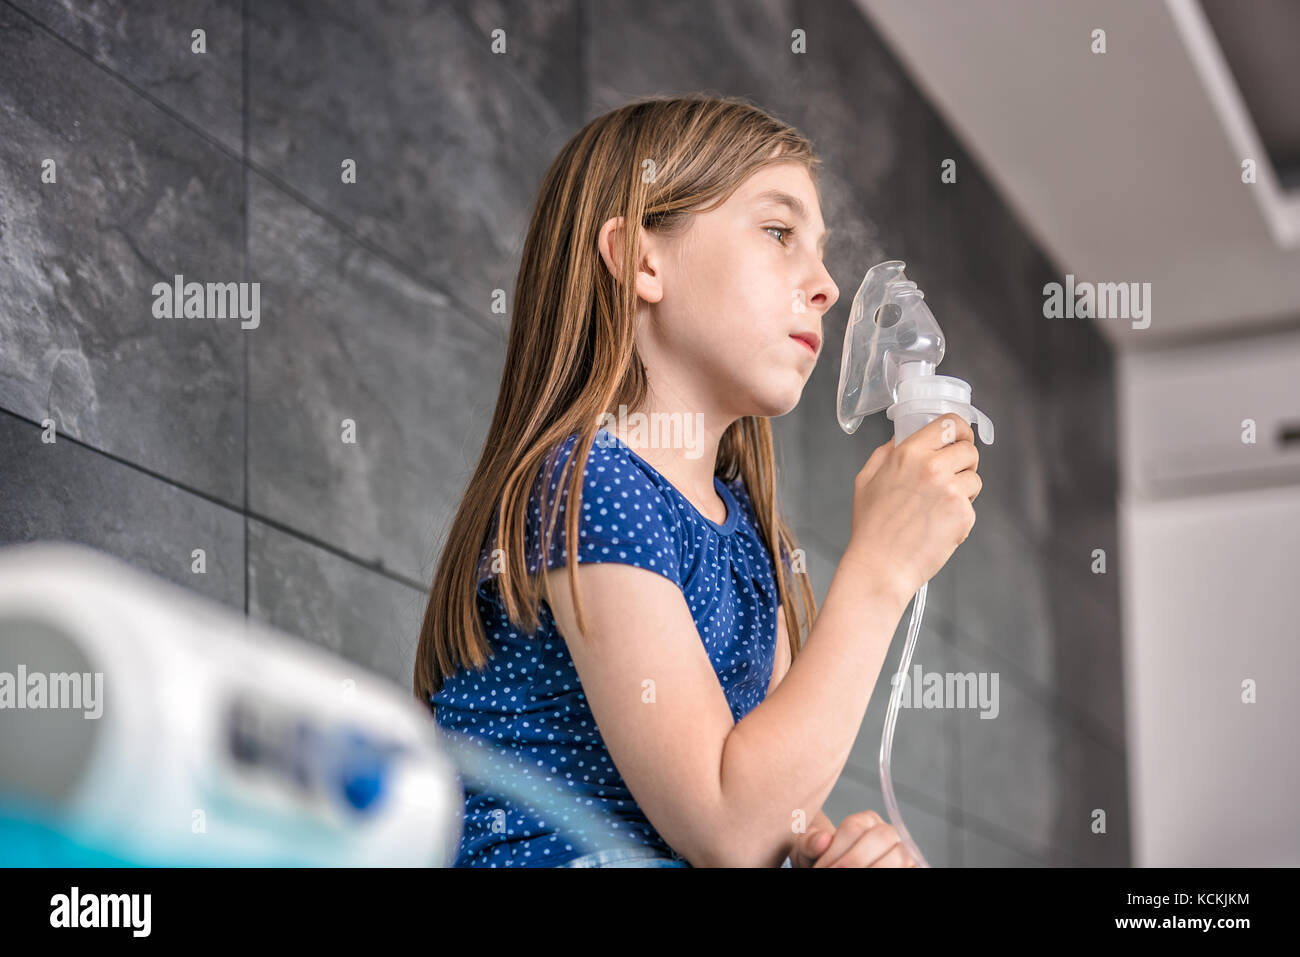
column 625, row 517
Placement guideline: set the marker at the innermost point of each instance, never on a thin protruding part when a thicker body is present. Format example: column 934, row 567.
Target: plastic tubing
column 891, row 718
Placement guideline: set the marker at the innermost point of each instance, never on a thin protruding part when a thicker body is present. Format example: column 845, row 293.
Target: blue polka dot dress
column 527, row 708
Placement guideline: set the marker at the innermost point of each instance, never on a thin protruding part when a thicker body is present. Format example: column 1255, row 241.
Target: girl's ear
column 609, row 242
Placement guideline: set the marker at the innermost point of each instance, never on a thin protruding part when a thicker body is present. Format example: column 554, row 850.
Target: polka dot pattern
column 528, row 702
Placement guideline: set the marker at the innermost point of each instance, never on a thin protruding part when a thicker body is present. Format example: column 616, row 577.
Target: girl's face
column 731, row 317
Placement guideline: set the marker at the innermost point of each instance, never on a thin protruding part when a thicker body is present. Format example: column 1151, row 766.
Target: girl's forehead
column 779, row 181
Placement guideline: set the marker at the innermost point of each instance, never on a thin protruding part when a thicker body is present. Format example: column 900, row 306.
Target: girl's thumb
column 875, row 461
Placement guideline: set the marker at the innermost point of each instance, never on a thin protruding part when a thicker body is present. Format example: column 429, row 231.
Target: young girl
column 649, row 697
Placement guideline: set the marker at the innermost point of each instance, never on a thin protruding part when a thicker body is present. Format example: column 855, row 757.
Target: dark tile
column 978, row 850
column 151, row 46
column 356, row 613
column 1000, row 597
column 999, row 272
column 742, row 49
column 1086, row 619
column 1014, row 467
column 138, row 199
column 865, row 139
column 1081, row 425
column 1077, row 534
column 64, row 492
column 543, row 44
column 1094, row 778
column 346, row 336
column 919, row 757
column 1008, row 766
column 450, row 140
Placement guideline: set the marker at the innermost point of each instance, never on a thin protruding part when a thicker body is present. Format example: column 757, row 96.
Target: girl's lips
column 808, row 339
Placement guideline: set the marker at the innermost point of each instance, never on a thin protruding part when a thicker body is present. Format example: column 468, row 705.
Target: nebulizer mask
column 891, row 347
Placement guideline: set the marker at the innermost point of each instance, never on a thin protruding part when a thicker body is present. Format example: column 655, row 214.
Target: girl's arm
column 723, row 794
column 780, row 668
column 793, row 747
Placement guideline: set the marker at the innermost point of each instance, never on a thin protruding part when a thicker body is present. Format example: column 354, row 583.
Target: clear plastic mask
column 889, row 324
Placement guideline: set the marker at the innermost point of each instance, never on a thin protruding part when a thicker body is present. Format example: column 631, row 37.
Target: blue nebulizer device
column 891, row 347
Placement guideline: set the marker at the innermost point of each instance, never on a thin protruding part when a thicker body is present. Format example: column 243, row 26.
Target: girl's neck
column 680, row 445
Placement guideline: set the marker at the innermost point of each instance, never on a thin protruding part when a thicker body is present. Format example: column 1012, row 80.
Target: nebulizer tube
column 887, row 737
column 891, row 347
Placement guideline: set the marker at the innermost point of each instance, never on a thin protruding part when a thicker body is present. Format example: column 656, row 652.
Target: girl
column 660, row 695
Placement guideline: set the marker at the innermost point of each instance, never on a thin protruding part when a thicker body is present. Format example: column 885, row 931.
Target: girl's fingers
column 845, row 849
column 864, row 840
column 845, row 836
column 896, row 856
column 874, row 844
column 808, row 847
column 873, row 849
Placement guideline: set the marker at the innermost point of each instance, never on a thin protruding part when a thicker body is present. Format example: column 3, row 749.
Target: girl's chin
column 777, row 403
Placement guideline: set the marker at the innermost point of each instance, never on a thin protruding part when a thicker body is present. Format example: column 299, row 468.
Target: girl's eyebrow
column 779, row 197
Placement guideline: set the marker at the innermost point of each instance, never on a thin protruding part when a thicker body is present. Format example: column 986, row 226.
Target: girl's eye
column 781, row 229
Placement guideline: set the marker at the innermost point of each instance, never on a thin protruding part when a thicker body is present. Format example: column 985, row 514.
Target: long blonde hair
column 571, row 355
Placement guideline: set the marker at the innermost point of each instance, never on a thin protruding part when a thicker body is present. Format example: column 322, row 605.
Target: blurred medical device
column 141, row 723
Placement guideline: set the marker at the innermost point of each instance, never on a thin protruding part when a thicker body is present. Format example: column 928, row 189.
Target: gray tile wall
column 225, row 166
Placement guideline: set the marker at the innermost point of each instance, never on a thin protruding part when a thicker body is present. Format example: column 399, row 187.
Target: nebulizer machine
column 891, row 347
column 145, row 725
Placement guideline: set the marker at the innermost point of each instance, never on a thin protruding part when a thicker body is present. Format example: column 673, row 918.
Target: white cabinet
column 1210, row 545
column 1185, row 409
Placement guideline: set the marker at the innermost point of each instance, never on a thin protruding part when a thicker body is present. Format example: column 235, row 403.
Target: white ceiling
column 1125, row 165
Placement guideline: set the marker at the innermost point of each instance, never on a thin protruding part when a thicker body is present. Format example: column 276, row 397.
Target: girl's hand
column 912, row 504
column 861, row 840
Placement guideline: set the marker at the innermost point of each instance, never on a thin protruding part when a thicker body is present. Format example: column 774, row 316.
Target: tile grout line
column 1055, row 705
column 246, row 166
column 250, row 165
column 276, row 524
column 919, row 799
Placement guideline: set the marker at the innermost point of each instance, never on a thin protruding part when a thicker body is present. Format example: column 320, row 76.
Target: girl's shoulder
column 612, row 469
column 625, row 515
